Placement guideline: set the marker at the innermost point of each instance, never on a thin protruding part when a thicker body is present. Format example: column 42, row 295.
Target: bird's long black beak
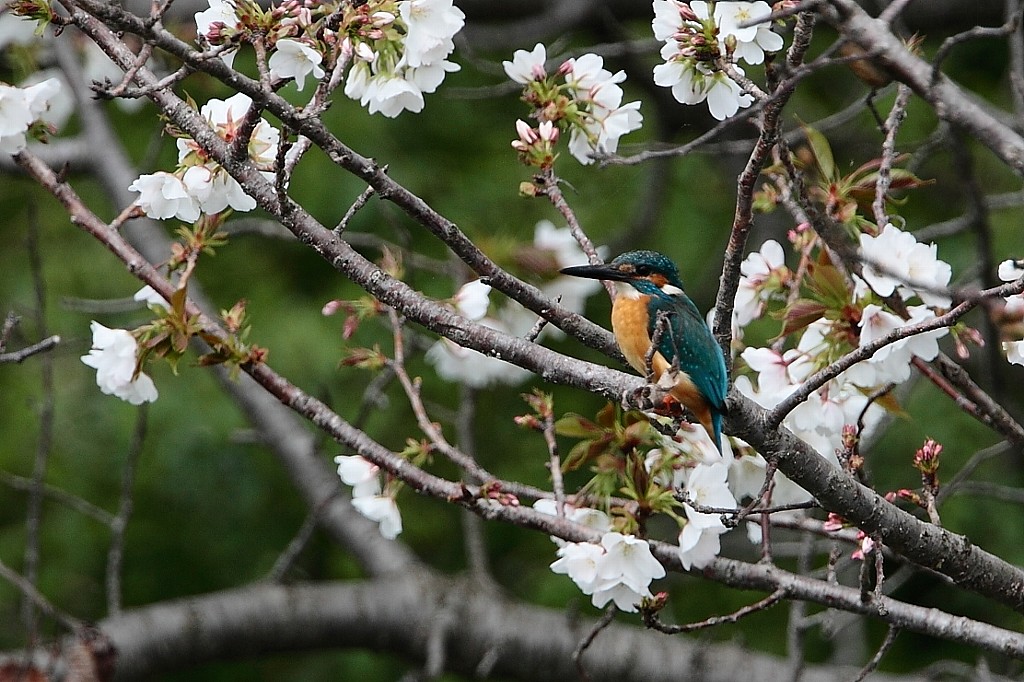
column 604, row 271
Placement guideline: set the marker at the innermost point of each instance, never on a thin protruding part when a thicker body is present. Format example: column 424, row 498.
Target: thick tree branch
column 951, row 102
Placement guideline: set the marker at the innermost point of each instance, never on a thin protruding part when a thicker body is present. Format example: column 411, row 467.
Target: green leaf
column 576, row 426
column 829, row 284
column 801, row 313
column 822, row 152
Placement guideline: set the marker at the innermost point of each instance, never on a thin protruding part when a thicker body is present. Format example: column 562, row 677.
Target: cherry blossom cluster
column 555, row 248
column 200, row 184
column 701, row 40
column 619, row 569
column 580, row 97
column 369, row 498
column 115, row 356
column 22, row 112
column 842, row 315
column 690, row 463
column 396, row 51
column 850, row 315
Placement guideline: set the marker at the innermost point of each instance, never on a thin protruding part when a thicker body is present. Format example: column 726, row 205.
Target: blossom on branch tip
column 403, row 56
column 114, row 356
column 751, row 41
column 581, row 98
column 697, row 40
column 384, row 510
column 431, row 26
column 1014, row 352
column 699, row 546
column 294, row 59
column 762, row 273
column 527, row 66
column 367, row 498
column 201, row 185
column 163, row 195
column 360, row 473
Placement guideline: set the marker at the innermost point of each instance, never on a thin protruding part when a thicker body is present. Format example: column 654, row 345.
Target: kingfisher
column 648, row 288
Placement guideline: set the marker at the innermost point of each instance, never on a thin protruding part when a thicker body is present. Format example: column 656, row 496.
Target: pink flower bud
column 526, row 133
column 687, row 14
column 382, row 19
column 833, row 523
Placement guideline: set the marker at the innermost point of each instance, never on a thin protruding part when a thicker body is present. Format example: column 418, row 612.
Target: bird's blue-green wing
column 688, row 338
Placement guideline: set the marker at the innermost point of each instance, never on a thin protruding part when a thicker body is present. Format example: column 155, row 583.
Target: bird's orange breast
column 629, row 323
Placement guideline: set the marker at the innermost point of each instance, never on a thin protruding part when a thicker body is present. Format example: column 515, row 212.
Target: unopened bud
column 382, row 19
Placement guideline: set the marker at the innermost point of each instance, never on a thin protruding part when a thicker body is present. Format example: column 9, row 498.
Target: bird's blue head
column 649, row 272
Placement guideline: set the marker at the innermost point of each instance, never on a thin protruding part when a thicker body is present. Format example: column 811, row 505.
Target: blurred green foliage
column 213, row 509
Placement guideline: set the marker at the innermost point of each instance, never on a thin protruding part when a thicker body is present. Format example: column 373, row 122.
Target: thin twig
column 548, row 183
column 651, row 619
column 890, row 638
column 581, row 648
column 29, row 591
column 884, row 178
column 971, row 34
column 118, row 525
column 995, row 491
column 1014, row 11
column 554, row 462
column 360, row 201
column 60, row 496
column 472, row 526
column 287, row 558
column 469, row 465
column 34, row 511
column 23, row 354
column 968, row 469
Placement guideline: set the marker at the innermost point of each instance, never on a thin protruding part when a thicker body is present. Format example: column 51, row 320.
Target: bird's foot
column 641, row 399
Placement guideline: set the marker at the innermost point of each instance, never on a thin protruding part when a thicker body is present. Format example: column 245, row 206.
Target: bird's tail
column 716, row 428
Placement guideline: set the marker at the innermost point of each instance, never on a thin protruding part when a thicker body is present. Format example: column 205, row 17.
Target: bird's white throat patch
column 626, row 290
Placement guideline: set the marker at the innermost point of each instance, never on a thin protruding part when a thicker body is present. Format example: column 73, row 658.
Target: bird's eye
column 643, row 270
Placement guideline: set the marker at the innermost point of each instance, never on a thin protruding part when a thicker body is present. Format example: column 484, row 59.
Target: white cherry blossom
column 295, row 59
column 163, row 195
column 895, row 261
column 473, row 299
column 113, row 355
column 1010, row 270
column 431, row 25
column 698, row 546
column 360, row 473
column 383, row 510
column 526, row 66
